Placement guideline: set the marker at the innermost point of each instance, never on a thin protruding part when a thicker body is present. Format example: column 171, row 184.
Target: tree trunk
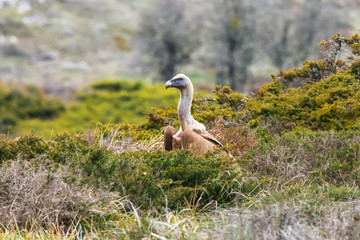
column 247, row 56
column 231, row 65
column 219, row 74
column 281, row 48
column 168, row 61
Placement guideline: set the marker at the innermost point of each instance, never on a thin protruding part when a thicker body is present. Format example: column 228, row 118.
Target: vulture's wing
column 207, row 136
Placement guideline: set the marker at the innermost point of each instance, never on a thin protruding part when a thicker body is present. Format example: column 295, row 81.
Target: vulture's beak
column 169, row 84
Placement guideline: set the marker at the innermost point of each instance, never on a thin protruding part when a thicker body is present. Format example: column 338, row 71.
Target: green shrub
column 326, row 100
column 19, row 102
column 148, row 179
column 155, row 179
column 116, row 86
column 322, row 157
column 329, row 104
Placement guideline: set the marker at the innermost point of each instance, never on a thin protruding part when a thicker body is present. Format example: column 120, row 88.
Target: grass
column 318, row 157
column 281, row 189
column 284, row 220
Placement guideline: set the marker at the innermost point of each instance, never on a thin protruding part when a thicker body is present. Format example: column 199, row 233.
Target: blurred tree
column 241, row 33
column 291, row 33
column 233, row 30
column 167, row 36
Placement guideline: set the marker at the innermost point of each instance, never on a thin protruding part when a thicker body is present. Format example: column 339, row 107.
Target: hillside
column 63, row 45
column 294, row 173
column 70, row 43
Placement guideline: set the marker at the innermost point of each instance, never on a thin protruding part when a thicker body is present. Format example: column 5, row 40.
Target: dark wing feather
column 208, row 136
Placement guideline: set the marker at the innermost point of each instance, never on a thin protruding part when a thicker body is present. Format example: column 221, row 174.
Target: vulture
column 192, row 134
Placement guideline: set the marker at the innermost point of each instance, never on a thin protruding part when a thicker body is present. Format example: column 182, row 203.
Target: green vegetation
column 25, row 102
column 294, row 171
column 108, row 101
column 148, row 179
column 132, row 193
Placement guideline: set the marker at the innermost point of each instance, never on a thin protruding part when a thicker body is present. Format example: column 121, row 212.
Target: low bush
column 150, row 180
column 18, row 102
column 317, row 157
column 116, row 86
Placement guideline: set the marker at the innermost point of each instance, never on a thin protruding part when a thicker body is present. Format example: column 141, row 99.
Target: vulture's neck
column 184, row 107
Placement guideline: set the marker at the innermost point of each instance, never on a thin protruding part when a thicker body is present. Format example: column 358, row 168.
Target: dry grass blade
column 117, row 143
column 32, row 194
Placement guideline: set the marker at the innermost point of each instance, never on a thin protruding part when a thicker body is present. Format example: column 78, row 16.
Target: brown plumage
column 189, row 140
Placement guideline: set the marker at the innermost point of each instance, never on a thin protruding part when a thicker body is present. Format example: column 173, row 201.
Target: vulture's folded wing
column 207, row 136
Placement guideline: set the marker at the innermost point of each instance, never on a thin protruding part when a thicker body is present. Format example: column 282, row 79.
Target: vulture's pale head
column 180, row 81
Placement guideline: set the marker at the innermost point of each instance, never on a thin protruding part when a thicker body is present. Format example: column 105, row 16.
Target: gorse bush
column 176, row 179
column 148, row 179
column 327, row 98
column 332, row 103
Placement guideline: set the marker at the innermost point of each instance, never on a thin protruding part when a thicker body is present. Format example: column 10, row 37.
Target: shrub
column 116, row 86
column 151, row 179
column 148, row 179
column 325, row 105
column 326, row 100
column 18, row 102
column 319, row 157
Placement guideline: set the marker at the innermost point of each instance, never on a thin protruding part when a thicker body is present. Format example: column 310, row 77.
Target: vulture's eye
column 179, row 79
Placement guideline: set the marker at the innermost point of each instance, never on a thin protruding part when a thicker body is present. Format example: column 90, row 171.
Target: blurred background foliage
column 108, row 101
column 26, row 102
column 63, row 44
column 51, row 50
